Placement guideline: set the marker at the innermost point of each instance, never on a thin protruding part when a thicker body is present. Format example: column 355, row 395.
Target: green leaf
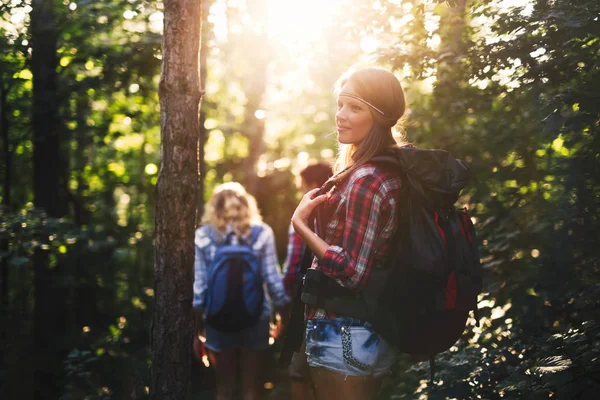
column 551, row 365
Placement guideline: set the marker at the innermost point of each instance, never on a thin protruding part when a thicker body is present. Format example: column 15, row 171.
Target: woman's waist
column 321, row 316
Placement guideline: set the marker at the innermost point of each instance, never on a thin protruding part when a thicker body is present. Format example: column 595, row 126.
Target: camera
column 312, row 286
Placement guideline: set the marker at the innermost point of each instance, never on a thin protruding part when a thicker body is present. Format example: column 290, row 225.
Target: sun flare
column 295, row 21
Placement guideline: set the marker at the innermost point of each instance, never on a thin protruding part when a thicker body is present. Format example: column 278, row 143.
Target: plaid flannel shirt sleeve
column 201, row 263
column 295, row 251
column 350, row 262
column 270, row 268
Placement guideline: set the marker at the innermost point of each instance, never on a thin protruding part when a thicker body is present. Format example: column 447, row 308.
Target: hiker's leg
column 333, row 385
column 225, row 365
column 302, row 391
column 299, row 374
column 345, row 356
column 251, row 362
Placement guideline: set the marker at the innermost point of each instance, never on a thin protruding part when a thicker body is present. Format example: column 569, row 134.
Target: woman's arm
column 300, row 223
column 200, row 270
column 295, row 251
column 270, row 267
column 368, row 221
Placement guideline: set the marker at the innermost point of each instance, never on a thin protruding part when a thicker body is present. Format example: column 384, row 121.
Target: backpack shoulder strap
column 211, row 233
column 385, row 159
column 255, row 231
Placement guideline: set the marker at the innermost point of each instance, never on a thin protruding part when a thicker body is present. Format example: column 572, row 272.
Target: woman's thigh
column 225, row 366
column 333, row 385
column 251, row 367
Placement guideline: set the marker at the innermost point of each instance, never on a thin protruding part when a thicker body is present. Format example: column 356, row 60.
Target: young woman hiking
column 231, row 214
column 348, row 359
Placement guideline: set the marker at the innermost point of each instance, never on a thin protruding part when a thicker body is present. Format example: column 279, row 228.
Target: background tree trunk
column 452, row 72
column 254, row 128
column 48, row 167
column 176, row 201
column 49, row 327
column 202, row 131
column 6, row 150
column 49, row 190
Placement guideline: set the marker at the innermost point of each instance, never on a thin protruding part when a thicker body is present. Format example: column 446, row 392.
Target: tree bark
column 5, row 145
column 202, row 132
column 81, row 159
column 49, row 327
column 48, row 185
column 176, row 201
column 451, row 69
column 3, row 300
column 254, row 128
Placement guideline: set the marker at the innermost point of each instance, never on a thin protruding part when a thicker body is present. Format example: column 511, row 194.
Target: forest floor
column 273, row 377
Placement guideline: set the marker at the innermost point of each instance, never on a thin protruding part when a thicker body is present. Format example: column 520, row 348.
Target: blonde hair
column 231, row 205
column 382, row 91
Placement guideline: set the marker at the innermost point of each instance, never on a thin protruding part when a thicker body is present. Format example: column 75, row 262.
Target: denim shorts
column 348, row 346
column 255, row 337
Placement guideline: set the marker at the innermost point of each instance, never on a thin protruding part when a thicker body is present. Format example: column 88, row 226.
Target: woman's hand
column 282, row 317
column 198, row 319
column 300, row 222
column 306, row 207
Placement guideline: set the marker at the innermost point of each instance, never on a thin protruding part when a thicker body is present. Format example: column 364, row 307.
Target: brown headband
column 369, row 104
column 362, row 101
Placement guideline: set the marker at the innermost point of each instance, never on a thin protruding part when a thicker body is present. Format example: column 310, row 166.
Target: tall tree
column 5, row 142
column 48, row 165
column 254, row 125
column 176, row 200
column 202, row 131
column 49, row 187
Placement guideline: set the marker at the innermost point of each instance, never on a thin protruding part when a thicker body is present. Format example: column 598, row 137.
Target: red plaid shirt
column 295, row 253
column 363, row 218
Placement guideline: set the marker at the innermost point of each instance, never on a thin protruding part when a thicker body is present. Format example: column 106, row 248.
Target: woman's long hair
column 382, row 89
column 231, row 206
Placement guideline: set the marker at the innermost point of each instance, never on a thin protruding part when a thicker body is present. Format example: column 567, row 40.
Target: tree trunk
column 3, row 300
column 452, row 71
column 176, row 200
column 49, row 187
column 255, row 87
column 202, row 133
column 49, row 327
column 81, row 160
column 5, row 146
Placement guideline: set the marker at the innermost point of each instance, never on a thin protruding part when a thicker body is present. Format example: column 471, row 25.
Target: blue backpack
column 235, row 295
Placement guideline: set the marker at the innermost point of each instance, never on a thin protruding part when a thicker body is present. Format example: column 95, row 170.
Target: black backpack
column 420, row 297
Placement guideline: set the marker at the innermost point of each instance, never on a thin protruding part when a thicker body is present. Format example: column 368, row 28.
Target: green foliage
column 106, row 284
column 510, row 104
column 512, row 91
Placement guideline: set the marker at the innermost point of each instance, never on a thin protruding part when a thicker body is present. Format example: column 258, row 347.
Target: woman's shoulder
column 370, row 173
column 263, row 229
column 367, row 169
column 265, row 234
column 202, row 236
column 374, row 178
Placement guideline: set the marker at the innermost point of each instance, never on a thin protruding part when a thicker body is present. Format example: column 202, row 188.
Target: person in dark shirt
column 311, row 177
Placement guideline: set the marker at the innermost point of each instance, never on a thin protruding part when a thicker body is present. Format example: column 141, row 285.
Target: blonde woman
column 231, row 215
